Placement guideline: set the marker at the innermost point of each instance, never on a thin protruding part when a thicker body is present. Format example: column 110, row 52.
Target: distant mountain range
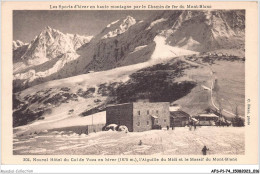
column 55, row 55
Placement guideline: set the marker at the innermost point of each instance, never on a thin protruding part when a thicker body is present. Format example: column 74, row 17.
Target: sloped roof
column 208, row 115
column 154, row 116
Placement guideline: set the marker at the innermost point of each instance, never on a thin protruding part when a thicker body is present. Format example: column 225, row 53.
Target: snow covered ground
column 32, row 74
column 180, row 141
column 139, row 48
column 60, row 119
column 163, row 51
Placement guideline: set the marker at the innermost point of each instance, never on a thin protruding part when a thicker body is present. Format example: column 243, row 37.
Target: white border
column 126, row 168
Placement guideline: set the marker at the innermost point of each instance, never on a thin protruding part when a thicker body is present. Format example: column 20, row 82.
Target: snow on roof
column 208, row 115
column 154, row 116
column 194, row 119
column 112, row 125
column 117, row 104
column 174, row 108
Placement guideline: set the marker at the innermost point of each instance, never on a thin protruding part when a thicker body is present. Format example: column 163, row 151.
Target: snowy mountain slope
column 124, row 26
column 164, row 51
column 47, row 96
column 91, row 92
column 87, row 91
column 207, row 30
column 44, row 56
column 86, row 55
column 119, row 73
column 112, row 23
column 32, row 74
column 183, row 29
column 176, row 80
column 51, row 43
column 17, row 44
column 78, row 41
column 156, row 22
column 119, row 43
column 19, row 49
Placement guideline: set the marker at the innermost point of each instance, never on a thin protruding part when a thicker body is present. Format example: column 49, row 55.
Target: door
column 155, row 124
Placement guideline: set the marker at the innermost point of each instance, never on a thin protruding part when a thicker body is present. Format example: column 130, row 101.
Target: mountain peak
column 51, row 43
column 17, row 44
column 129, row 17
column 48, row 28
column 123, row 27
column 129, row 20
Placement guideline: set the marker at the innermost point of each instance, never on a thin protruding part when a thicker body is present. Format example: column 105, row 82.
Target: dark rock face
column 156, row 83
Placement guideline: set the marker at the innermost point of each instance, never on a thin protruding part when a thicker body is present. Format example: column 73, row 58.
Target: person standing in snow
column 204, row 150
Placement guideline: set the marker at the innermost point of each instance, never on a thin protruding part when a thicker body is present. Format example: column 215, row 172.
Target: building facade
column 179, row 118
column 208, row 119
column 139, row 116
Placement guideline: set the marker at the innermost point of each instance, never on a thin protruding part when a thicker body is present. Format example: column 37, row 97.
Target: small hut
column 206, row 119
column 179, row 118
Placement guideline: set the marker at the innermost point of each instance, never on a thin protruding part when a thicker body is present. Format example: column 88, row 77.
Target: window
column 164, row 120
column 147, row 112
column 138, row 123
column 138, row 112
column 147, row 123
column 157, row 111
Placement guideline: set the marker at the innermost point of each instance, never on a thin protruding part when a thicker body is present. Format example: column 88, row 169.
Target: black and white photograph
column 126, row 82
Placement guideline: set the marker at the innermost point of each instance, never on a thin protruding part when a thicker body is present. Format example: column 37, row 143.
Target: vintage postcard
column 129, row 83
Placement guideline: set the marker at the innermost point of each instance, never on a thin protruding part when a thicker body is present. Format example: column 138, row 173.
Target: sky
column 29, row 23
